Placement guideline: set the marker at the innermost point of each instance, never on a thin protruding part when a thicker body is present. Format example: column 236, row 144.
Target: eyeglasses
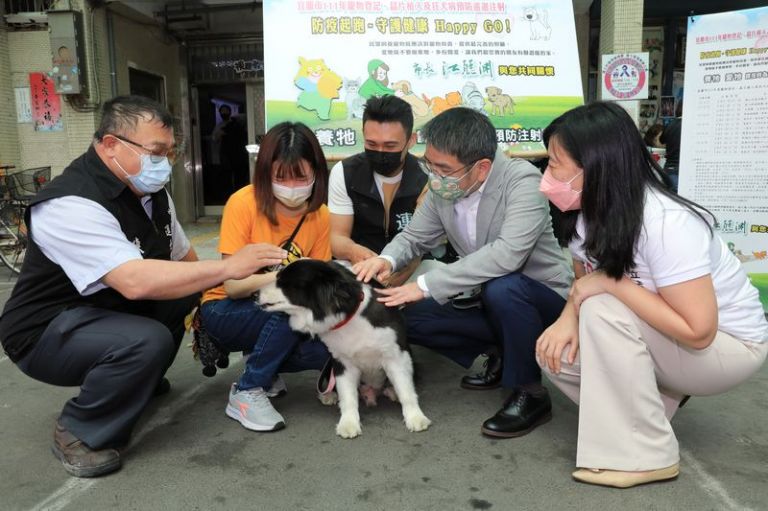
column 154, row 155
column 428, row 168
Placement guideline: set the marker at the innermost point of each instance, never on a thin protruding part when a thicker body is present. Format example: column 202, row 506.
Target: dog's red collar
column 348, row 318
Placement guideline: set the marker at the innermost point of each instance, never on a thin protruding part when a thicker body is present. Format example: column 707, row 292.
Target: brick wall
column 9, row 147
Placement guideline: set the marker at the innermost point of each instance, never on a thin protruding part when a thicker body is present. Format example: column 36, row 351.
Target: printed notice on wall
column 23, row 104
column 724, row 146
column 518, row 64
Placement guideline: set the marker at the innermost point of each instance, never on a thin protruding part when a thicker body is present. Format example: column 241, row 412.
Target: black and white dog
column 366, row 338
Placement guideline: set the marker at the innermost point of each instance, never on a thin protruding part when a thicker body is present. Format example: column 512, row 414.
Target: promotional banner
column 515, row 62
column 724, row 144
column 46, row 104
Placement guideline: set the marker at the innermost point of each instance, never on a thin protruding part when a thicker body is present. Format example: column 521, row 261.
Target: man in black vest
column 372, row 195
column 107, row 280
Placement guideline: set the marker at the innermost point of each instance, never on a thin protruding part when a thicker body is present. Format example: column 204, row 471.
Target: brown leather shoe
column 79, row 459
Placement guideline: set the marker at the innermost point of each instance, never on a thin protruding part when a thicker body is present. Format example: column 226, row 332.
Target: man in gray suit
column 491, row 210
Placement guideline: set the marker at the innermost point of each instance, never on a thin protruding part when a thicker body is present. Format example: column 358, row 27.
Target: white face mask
column 292, row 197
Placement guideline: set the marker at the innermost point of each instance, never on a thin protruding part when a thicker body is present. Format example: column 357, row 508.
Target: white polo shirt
column 93, row 245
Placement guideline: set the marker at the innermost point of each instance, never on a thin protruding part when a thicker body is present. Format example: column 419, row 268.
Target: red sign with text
column 46, row 104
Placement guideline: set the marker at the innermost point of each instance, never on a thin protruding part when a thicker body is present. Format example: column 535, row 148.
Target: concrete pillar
column 582, row 39
column 621, row 31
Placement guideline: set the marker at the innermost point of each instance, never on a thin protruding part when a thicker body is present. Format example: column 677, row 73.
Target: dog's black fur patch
column 323, row 288
column 330, row 288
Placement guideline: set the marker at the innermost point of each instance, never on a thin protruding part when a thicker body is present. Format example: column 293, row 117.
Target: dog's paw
column 328, row 399
column 417, row 422
column 348, row 428
column 390, row 393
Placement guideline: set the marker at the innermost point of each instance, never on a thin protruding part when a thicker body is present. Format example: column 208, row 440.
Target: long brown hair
column 288, row 143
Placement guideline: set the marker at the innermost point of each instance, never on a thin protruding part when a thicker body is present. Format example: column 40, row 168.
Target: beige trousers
column 629, row 379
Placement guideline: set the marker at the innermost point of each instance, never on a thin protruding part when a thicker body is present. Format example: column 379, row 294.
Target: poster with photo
column 724, row 143
column 667, row 106
column 518, row 64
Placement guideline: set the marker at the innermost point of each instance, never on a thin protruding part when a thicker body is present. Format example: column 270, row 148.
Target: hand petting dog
column 374, row 267
column 380, row 269
column 395, row 296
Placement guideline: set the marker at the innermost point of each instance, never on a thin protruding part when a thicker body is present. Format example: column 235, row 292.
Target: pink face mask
column 560, row 192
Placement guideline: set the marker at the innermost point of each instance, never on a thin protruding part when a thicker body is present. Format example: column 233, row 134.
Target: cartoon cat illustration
column 355, row 102
column 472, row 98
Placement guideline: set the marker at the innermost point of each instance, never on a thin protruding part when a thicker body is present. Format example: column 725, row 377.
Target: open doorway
column 223, row 134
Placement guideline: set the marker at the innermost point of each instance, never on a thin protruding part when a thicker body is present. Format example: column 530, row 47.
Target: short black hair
column 465, row 134
column 389, row 109
column 121, row 114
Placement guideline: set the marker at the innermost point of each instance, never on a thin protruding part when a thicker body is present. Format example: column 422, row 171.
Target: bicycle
column 16, row 191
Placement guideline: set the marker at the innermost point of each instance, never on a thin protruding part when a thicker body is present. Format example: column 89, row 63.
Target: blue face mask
column 152, row 176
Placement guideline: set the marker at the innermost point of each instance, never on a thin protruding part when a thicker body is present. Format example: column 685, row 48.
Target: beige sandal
column 620, row 479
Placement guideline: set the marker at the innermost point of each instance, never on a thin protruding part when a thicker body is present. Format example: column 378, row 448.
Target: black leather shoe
column 522, row 412
column 490, row 379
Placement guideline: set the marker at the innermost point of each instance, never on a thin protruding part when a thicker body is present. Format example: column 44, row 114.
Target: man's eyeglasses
column 155, row 156
column 428, row 168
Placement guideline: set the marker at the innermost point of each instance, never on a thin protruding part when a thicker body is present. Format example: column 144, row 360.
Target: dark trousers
column 515, row 311
column 271, row 344
column 116, row 358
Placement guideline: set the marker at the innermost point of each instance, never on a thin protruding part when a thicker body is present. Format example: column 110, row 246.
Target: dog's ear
column 336, row 290
column 347, row 292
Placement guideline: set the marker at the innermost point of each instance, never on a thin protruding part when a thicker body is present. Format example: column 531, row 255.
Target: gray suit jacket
column 514, row 233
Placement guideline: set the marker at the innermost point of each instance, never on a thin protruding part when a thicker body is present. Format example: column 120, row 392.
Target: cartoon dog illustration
column 538, row 19
column 404, row 91
column 440, row 104
column 501, row 104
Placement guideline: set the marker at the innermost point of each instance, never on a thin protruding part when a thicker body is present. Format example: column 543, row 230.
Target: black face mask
column 385, row 163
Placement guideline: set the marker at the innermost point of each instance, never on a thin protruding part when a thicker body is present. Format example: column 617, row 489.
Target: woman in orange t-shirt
column 289, row 186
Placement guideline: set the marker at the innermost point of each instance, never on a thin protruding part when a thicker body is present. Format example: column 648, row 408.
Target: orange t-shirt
column 243, row 223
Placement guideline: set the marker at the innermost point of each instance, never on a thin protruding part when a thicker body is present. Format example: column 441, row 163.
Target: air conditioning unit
column 25, row 19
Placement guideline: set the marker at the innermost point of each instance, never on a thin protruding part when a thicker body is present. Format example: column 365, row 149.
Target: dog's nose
column 256, row 295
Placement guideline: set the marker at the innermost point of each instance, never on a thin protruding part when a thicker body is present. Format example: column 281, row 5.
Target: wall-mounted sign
column 625, row 76
column 23, row 104
column 46, row 104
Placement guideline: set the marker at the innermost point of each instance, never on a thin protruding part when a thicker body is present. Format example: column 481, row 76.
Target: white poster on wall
column 23, row 104
column 516, row 63
column 625, row 76
column 724, row 145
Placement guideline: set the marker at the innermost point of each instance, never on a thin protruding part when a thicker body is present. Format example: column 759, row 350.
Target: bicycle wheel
column 13, row 236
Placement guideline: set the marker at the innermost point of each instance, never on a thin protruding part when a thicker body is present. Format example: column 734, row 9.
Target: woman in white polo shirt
column 661, row 309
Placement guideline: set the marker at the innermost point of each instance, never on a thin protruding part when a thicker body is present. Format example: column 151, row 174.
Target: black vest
column 368, row 227
column 44, row 290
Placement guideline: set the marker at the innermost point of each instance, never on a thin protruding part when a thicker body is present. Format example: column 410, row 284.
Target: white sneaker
column 278, row 388
column 253, row 410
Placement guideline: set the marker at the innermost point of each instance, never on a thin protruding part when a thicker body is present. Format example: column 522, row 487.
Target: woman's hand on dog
column 374, row 267
column 395, row 296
